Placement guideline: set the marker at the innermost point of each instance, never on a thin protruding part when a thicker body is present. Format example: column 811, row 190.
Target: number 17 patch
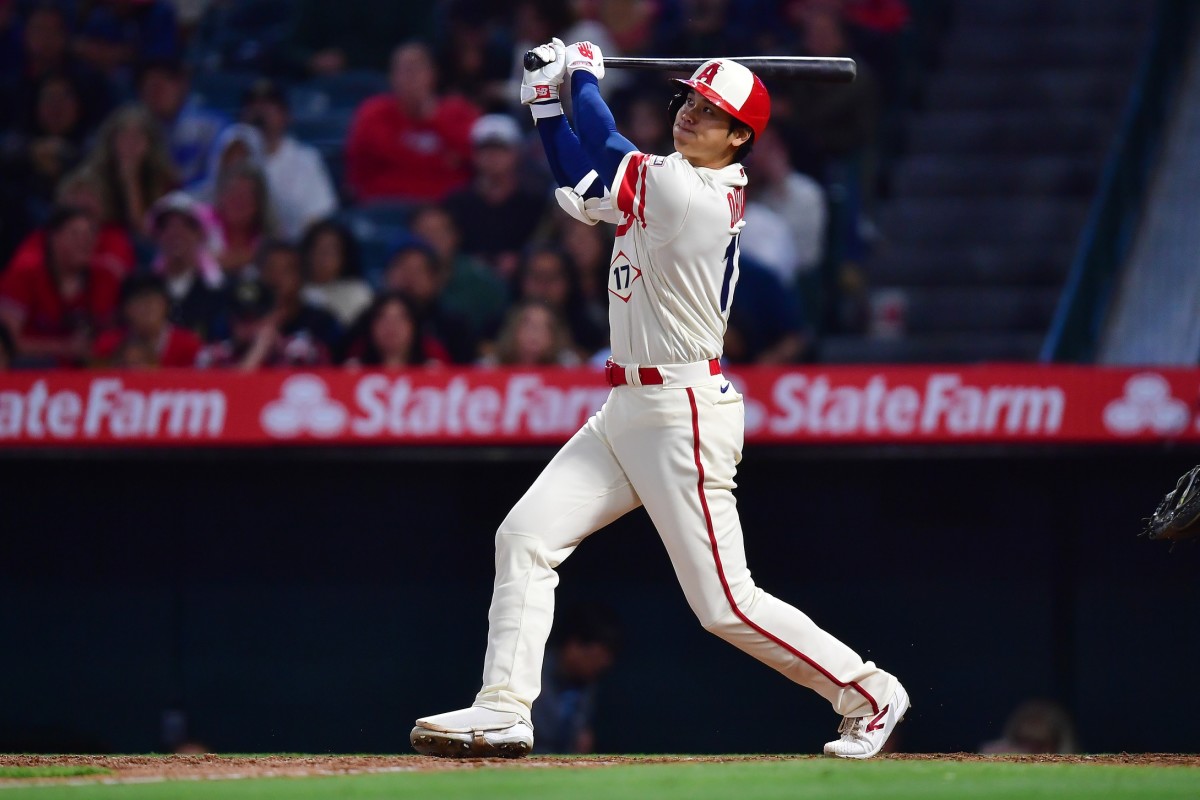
column 621, row 275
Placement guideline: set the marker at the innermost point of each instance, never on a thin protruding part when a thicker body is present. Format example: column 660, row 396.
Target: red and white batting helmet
column 733, row 88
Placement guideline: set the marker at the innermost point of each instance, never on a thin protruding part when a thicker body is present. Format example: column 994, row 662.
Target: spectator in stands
column 295, row 317
column 196, row 302
column 37, row 154
column 413, row 271
column 533, row 335
column 332, row 36
column 771, row 245
column 242, row 217
column 300, row 187
column 43, row 52
column 255, row 339
column 84, row 190
column 237, row 145
column 114, row 35
column 588, row 248
column 497, row 214
column 827, row 122
column 130, row 157
column 795, row 197
column 164, row 88
column 583, row 646
column 475, row 53
column 332, row 266
column 390, row 337
column 546, row 275
column 765, row 322
column 409, row 144
column 648, row 127
column 702, row 28
column 54, row 306
column 1036, row 727
column 472, row 289
column 146, row 329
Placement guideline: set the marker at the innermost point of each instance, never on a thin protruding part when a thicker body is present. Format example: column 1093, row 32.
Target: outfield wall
column 318, row 600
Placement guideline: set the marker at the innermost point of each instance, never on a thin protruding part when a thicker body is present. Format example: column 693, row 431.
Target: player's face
column 702, row 135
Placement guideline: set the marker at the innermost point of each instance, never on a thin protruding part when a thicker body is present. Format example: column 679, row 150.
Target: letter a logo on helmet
column 708, row 72
column 731, row 87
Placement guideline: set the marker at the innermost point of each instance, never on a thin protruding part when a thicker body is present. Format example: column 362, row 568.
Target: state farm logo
column 1147, row 405
column 304, row 407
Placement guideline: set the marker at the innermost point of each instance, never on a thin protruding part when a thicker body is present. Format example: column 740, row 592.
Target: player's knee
column 720, row 621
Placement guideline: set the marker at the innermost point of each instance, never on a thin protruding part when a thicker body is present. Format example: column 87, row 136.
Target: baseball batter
column 669, row 437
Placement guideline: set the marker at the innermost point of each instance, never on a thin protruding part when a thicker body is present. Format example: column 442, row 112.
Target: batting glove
column 539, row 87
column 585, row 56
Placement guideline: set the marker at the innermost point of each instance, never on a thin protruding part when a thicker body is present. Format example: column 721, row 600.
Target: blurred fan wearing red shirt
column 146, row 337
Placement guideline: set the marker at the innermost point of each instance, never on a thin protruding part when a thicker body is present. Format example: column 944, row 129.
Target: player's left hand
column 541, row 85
column 586, row 56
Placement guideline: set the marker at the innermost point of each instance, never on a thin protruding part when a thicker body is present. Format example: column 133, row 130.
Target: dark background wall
column 288, row 602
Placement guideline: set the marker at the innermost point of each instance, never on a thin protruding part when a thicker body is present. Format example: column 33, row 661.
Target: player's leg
column 684, row 472
column 580, row 491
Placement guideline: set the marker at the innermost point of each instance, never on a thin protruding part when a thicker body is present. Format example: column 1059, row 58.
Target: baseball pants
column 675, row 450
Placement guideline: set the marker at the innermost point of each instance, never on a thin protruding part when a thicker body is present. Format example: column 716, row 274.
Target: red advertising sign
column 859, row 404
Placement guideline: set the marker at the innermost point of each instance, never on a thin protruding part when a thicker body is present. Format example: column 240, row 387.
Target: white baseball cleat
column 863, row 737
column 473, row 733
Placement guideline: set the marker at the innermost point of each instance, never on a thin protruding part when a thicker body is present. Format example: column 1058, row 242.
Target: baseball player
column 669, row 436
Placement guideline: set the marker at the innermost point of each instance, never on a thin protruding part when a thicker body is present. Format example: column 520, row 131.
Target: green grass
column 50, row 772
column 795, row 780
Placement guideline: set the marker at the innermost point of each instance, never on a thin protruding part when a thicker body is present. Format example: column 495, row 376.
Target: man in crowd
column 410, row 144
column 164, row 87
column 497, row 214
column 299, row 184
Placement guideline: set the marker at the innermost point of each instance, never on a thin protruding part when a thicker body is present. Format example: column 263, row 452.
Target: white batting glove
column 585, row 56
column 539, row 87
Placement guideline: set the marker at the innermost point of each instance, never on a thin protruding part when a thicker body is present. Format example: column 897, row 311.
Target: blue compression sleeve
column 566, row 157
column 597, row 129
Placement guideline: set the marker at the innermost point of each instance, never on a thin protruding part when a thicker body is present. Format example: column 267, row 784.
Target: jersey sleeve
column 655, row 192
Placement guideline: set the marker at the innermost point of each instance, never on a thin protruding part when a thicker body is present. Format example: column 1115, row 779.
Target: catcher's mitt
column 1178, row 514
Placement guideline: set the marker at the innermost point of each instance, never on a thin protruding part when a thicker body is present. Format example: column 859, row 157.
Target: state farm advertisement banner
column 811, row 405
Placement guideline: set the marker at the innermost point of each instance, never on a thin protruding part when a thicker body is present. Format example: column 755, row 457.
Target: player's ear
column 739, row 135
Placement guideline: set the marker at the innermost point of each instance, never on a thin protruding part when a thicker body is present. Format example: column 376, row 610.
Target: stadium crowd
column 257, row 183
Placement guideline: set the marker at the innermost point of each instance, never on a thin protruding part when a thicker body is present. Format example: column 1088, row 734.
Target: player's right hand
column 541, row 85
column 586, row 56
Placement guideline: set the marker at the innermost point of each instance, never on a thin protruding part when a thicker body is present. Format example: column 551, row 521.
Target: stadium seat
column 343, row 92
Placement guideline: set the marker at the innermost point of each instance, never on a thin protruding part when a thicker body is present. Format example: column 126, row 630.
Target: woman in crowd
column 84, row 190
column 131, row 158
column 533, row 336
column 54, row 306
column 332, row 265
column 546, row 274
column 390, row 338
column 45, row 146
column 241, row 217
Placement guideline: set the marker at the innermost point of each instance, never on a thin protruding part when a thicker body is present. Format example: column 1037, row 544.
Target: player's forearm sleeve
column 597, row 129
column 567, row 160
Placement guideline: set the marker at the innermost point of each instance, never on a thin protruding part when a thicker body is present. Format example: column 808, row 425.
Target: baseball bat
column 825, row 70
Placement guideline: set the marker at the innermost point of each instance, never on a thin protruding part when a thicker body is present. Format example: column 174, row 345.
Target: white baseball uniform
column 669, row 439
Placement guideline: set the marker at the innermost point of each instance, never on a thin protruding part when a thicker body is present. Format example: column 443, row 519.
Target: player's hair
column 739, row 155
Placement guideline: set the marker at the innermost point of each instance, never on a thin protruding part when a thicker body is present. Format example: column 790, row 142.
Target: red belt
column 614, row 373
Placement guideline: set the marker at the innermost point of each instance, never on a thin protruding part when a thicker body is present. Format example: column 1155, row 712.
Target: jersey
column 674, row 263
